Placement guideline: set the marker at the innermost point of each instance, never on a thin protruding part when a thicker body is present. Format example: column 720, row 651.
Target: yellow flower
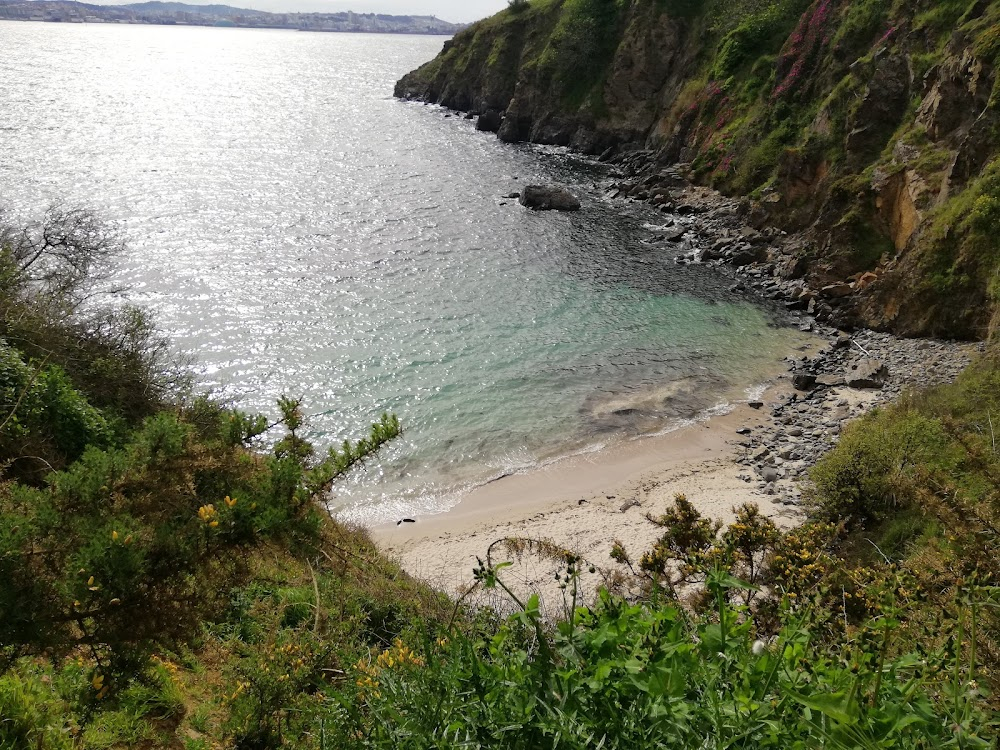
column 114, row 536
column 98, row 681
column 206, row 513
column 230, row 501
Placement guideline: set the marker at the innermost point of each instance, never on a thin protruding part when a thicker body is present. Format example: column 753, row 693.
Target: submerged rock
column 548, row 197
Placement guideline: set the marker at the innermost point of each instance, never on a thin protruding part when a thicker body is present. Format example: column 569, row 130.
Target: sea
column 296, row 230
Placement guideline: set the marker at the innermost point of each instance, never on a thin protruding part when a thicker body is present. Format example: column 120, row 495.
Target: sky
column 456, row 11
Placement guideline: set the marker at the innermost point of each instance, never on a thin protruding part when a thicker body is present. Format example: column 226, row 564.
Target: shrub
column 873, row 470
column 122, row 551
column 630, row 675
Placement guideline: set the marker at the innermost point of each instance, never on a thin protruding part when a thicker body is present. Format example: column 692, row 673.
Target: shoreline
column 582, row 503
column 759, row 452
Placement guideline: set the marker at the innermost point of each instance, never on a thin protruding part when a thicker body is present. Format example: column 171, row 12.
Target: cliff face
column 868, row 127
column 590, row 74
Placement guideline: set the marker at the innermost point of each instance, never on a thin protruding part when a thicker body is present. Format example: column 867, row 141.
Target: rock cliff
column 868, row 129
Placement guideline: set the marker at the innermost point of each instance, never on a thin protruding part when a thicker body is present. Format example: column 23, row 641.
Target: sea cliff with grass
column 867, row 129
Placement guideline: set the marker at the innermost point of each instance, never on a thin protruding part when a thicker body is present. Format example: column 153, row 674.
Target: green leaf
column 837, row 706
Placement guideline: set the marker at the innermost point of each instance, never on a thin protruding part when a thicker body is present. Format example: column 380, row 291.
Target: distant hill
column 175, row 13
column 208, row 10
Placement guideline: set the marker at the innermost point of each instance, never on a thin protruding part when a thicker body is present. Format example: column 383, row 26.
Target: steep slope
column 868, row 127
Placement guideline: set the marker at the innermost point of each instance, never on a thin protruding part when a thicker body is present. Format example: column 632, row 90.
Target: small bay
column 299, row 231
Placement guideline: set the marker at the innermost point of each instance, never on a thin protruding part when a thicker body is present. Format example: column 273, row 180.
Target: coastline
column 757, row 454
column 753, row 454
column 577, row 503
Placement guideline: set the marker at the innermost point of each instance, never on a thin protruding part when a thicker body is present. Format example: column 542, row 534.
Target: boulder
column 489, row 121
column 746, row 255
column 548, row 197
column 834, row 291
column 803, row 381
column 792, row 267
column 869, row 373
column 830, row 381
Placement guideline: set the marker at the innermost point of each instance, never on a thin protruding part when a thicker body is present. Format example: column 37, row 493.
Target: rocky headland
column 864, row 131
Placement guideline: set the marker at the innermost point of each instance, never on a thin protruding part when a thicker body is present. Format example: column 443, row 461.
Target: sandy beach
column 585, row 503
column 755, row 453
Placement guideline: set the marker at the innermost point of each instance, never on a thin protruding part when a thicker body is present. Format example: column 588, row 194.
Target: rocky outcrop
column 556, row 88
column 489, row 121
column 548, row 198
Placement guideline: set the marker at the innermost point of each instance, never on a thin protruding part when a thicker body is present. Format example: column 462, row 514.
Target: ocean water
column 301, row 232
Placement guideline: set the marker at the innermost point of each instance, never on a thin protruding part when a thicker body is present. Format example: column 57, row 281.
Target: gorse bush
column 131, row 548
column 126, row 517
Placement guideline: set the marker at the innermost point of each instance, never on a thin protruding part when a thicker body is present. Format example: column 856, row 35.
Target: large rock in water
column 489, row 121
column 548, row 197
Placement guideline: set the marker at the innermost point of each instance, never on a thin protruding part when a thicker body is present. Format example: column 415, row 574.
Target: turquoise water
column 299, row 231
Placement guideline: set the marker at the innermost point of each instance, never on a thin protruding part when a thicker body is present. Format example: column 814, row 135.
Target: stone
column 835, row 291
column 803, row 381
column 746, row 255
column 769, row 474
column 830, row 381
column 489, row 121
column 548, row 197
column 869, row 373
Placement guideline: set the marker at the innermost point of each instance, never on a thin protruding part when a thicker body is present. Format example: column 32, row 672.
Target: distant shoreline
column 222, row 16
column 228, row 26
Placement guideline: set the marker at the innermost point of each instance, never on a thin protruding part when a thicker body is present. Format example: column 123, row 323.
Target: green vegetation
column 139, row 526
column 168, row 581
column 581, row 47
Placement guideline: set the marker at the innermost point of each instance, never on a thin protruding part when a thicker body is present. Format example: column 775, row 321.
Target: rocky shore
column 849, row 376
column 760, row 452
column 857, row 370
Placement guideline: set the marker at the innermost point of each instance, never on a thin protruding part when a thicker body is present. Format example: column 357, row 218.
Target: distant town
column 183, row 14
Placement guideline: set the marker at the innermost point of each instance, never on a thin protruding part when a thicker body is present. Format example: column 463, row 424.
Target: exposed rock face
column 961, row 90
column 548, row 198
column 881, row 109
column 897, row 198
